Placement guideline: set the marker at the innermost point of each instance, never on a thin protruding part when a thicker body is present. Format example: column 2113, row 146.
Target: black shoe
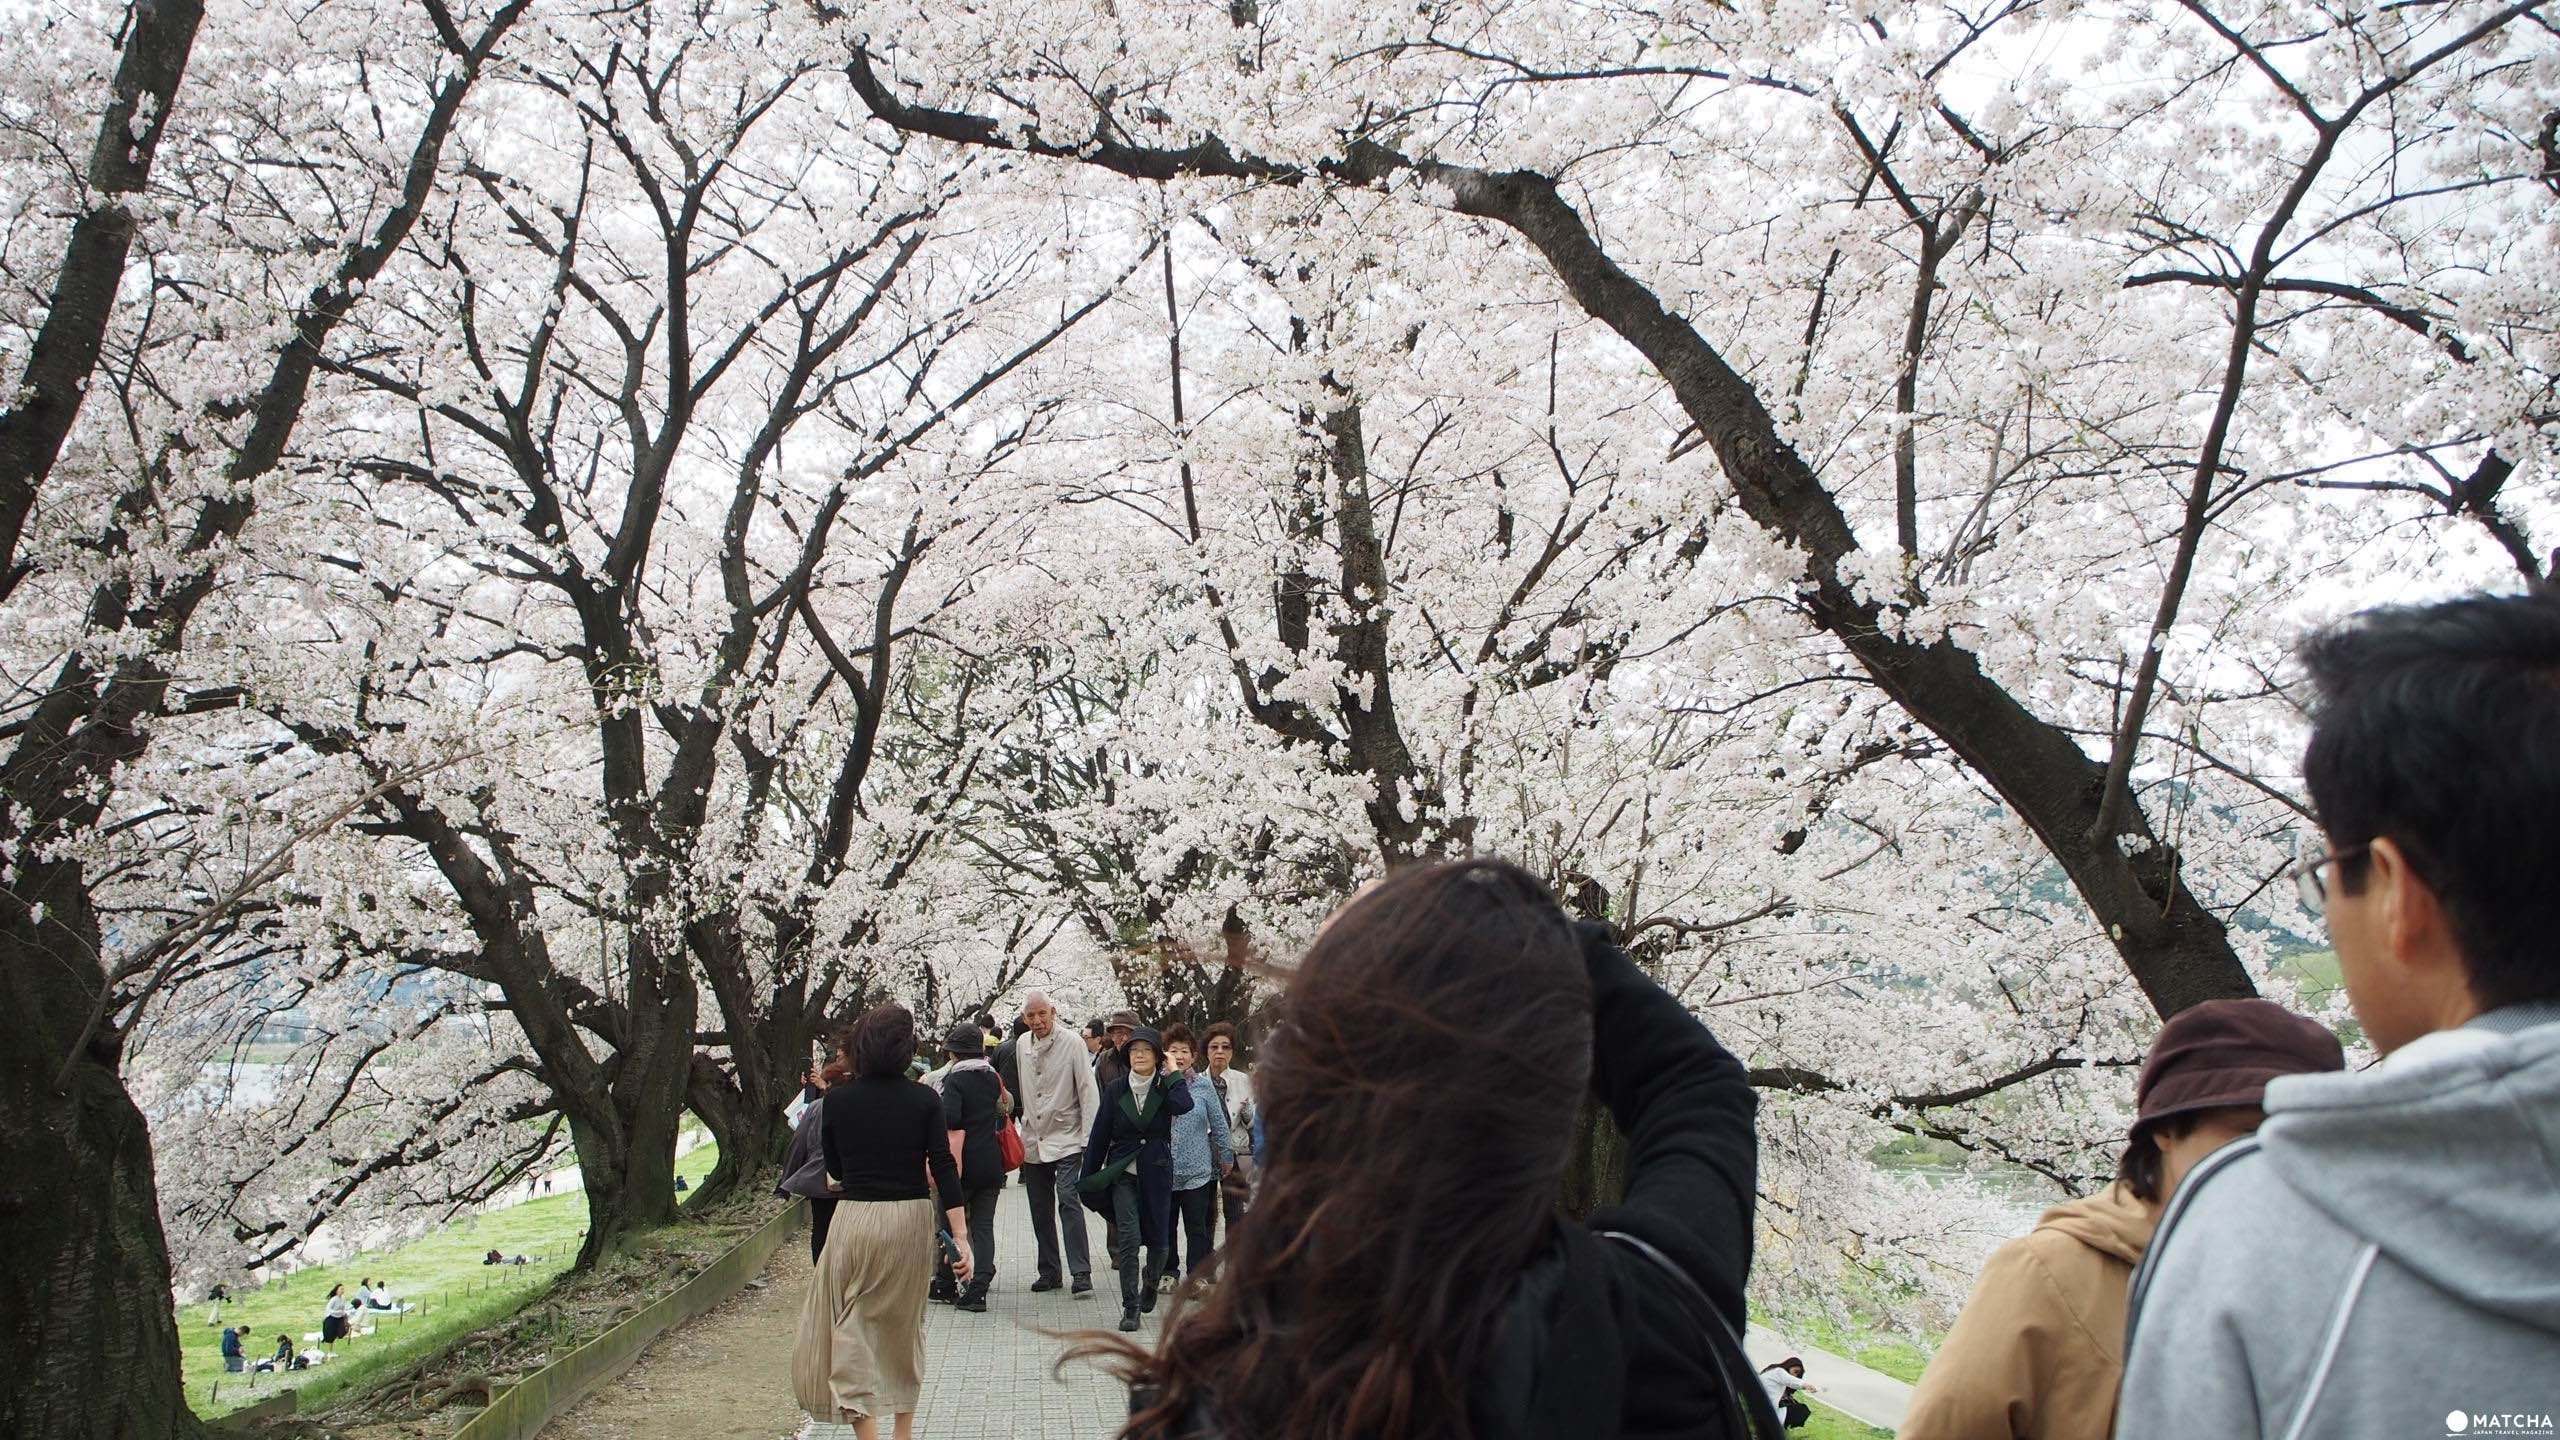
column 974, row 1304
column 1128, row 1321
column 942, row 1294
column 1084, row 1285
column 1147, row 1299
column 1037, row 1286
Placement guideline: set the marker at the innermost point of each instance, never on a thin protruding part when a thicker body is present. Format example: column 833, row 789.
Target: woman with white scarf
column 973, row 1107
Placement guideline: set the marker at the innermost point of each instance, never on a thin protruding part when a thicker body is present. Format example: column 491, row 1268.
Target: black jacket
column 1597, row 1326
column 969, row 1105
column 1008, row 1068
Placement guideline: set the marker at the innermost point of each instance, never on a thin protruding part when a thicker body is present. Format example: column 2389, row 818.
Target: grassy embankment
column 439, row 1272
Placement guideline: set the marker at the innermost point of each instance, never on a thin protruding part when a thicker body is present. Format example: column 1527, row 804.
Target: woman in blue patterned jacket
column 1203, row 1152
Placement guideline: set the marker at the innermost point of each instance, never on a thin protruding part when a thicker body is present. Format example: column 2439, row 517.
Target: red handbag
column 1008, row 1139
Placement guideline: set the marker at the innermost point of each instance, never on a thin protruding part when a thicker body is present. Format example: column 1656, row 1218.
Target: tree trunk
column 85, row 1304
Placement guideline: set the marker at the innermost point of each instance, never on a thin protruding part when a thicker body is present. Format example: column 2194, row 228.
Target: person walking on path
column 1128, row 1168
column 859, row 1353
column 804, row 1164
column 2038, row 1352
column 1406, row 1264
column 1203, row 1154
column 2380, row 1260
column 1235, row 1092
column 1111, row 1062
column 973, row 1110
column 1060, row 1101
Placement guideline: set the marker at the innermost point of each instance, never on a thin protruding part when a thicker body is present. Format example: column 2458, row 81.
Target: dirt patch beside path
column 726, row 1375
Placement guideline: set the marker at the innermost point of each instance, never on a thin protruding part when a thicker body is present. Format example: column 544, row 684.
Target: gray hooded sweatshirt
column 2384, row 1254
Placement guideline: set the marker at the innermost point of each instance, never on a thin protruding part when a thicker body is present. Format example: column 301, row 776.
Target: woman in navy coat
column 1128, row 1169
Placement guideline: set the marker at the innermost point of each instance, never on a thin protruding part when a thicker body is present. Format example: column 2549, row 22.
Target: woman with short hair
column 1203, row 1154
column 860, row 1351
column 1128, row 1168
column 1223, row 1048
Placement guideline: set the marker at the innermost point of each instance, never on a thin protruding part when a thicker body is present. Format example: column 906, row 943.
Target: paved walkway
column 727, row 1375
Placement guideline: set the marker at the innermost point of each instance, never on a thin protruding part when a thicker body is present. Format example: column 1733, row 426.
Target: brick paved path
column 727, row 1375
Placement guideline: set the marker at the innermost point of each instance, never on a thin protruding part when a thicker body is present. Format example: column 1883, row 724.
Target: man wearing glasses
column 2383, row 1259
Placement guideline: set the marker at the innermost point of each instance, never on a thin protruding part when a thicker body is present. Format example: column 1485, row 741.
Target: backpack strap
column 1751, row 1416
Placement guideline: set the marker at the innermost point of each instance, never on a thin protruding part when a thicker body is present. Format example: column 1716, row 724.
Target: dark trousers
column 1125, row 1210
column 1196, row 1210
column 981, row 1205
column 1051, row 1188
column 820, row 1212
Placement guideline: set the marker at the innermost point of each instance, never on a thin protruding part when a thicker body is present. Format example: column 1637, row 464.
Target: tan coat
column 2039, row 1350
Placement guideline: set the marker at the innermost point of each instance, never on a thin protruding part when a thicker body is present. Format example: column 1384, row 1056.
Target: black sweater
column 970, row 1106
column 879, row 1134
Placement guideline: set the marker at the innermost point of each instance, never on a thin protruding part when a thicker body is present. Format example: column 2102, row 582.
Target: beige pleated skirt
column 861, row 1344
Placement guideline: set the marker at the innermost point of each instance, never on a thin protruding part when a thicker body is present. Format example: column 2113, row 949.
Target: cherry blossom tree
column 688, row 393
column 188, row 342
column 1931, row 153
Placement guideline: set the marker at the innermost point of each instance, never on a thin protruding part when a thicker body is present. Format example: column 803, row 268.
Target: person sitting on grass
column 234, row 1357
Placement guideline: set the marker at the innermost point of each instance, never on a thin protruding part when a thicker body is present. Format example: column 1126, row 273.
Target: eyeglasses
column 2307, row 882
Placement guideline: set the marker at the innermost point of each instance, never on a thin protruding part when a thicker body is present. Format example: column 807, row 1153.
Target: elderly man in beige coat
column 1058, row 1104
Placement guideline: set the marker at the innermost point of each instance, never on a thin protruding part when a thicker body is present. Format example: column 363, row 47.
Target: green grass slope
column 439, row 1273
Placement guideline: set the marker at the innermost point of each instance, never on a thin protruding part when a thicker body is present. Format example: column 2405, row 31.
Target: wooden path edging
column 520, row 1412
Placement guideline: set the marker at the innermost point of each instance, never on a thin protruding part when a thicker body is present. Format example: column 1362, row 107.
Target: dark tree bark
column 32, row 431
column 84, row 1278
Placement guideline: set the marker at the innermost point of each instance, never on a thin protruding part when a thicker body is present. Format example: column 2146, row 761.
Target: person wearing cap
column 1128, row 1166
column 1111, row 1062
column 2039, row 1349
column 973, row 1102
column 2382, row 1259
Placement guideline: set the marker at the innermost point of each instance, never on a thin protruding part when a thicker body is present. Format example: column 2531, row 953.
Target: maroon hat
column 2221, row 1054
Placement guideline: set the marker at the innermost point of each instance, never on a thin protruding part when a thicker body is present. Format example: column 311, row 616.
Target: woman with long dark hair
column 860, row 1351
column 1406, row 1273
